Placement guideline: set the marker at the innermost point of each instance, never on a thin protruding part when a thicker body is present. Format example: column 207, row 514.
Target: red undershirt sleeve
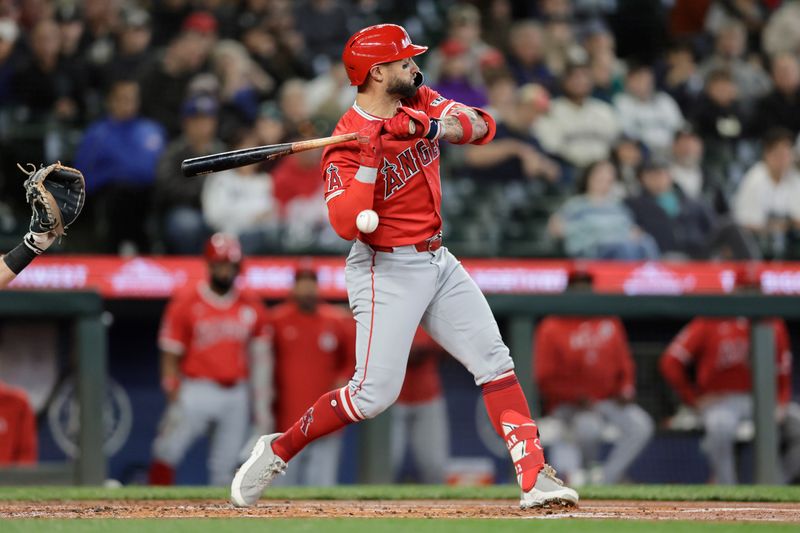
column 346, row 203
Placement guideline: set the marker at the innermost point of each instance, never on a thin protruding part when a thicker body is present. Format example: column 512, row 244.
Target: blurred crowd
column 627, row 129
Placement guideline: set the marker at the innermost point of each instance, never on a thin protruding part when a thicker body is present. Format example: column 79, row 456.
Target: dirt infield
column 593, row 509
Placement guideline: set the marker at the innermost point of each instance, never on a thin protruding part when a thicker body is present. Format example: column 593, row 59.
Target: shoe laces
column 275, row 467
column 550, row 472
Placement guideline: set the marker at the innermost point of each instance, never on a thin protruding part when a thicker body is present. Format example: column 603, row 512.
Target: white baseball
column 367, row 221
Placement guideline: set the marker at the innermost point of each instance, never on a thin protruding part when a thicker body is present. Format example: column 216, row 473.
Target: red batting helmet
column 223, row 247
column 374, row 45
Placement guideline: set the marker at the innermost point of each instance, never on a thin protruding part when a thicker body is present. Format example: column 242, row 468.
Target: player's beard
column 222, row 284
column 404, row 89
column 307, row 304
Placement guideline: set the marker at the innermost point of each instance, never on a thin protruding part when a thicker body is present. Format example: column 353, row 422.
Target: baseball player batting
column 398, row 274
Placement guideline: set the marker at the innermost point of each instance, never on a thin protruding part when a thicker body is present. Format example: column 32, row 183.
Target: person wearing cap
column 178, row 199
column 118, row 155
column 314, row 344
column 578, row 128
column 398, row 274
column 213, row 338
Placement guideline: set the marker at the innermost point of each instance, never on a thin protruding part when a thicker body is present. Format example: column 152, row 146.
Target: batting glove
column 369, row 143
column 399, row 126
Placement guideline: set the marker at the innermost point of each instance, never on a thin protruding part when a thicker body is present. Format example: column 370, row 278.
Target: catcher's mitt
column 56, row 194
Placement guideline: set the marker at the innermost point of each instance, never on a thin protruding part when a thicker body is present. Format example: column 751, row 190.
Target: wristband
column 491, row 126
column 466, row 127
column 20, row 257
column 436, row 130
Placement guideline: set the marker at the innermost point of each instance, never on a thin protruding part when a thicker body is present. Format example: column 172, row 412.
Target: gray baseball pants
column 422, row 428
column 204, row 406
column 391, row 294
column 584, row 429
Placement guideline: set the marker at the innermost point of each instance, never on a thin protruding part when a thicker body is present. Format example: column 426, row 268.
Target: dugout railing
column 83, row 310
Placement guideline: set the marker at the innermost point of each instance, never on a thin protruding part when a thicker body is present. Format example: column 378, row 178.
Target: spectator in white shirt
column 768, row 199
column 579, row 129
column 241, row 202
column 647, row 115
column 685, row 166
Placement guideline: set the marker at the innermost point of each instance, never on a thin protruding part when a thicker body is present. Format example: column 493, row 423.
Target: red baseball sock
column 334, row 410
column 501, row 394
column 161, row 474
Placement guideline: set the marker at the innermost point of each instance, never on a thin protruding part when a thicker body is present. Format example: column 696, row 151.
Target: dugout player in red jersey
column 398, row 274
column 586, row 376
column 18, row 441
column 211, row 334
column 719, row 351
column 314, row 352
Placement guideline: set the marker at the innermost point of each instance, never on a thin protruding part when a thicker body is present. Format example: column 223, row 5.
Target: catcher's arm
column 6, row 275
column 21, row 256
column 56, row 194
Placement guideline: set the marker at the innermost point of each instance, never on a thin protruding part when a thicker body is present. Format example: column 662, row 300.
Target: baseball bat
column 207, row 164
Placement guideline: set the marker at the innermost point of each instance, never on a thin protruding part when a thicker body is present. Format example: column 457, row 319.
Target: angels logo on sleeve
column 333, row 178
column 306, row 421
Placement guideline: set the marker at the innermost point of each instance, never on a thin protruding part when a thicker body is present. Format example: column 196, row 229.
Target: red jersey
column 212, row 333
column 408, row 191
column 314, row 352
column 18, row 441
column 422, row 382
column 719, row 348
column 579, row 359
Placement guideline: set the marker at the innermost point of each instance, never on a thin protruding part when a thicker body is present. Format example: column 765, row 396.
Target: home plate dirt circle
column 591, row 509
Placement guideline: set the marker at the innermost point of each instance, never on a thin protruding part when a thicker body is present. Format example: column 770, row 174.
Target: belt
column 431, row 244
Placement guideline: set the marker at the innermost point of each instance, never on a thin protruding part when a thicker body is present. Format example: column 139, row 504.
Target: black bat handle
column 206, row 164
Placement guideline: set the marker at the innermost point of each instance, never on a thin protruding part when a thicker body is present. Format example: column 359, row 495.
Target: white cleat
column 549, row 491
column 256, row 473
